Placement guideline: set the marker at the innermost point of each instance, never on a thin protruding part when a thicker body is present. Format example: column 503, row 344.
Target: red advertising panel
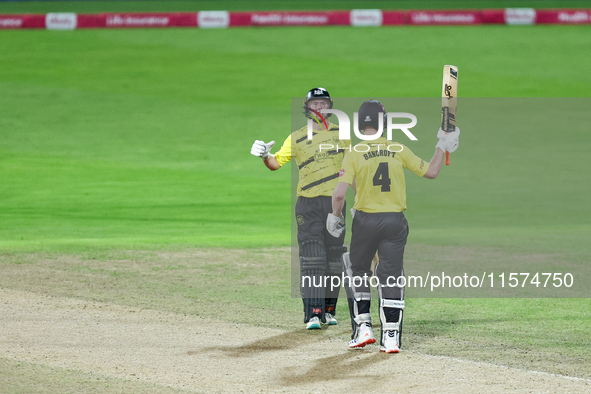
column 493, row 16
column 458, row 17
column 30, row 21
column 131, row 20
column 339, row 18
column 87, row 21
column 12, row 21
column 240, row 18
column 358, row 17
column 289, row 19
column 392, row 18
column 181, row 19
column 564, row 17
column 134, row 20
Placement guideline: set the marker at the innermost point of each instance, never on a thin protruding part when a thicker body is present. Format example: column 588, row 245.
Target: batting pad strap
column 312, row 255
column 362, row 296
column 312, row 263
column 391, row 326
column 363, row 318
column 312, row 248
column 384, row 303
column 336, row 252
column 334, row 256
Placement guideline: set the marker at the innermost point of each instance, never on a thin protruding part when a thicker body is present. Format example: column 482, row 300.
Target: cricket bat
column 449, row 102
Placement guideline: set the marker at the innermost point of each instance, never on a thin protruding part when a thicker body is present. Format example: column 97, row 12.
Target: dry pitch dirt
column 193, row 354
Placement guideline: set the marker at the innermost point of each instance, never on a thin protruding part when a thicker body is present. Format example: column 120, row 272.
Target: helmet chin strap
column 315, row 115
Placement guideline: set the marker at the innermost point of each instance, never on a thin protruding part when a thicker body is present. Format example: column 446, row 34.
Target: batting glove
column 442, row 143
column 453, row 140
column 262, row 150
column 335, row 225
column 448, row 141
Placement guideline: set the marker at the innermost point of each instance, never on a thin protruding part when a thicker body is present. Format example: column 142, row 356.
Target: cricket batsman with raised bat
column 379, row 224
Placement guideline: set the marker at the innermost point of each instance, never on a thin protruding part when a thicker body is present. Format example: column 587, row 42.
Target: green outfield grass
column 117, row 140
column 134, row 137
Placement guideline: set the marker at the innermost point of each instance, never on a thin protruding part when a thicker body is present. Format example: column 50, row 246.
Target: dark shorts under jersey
column 311, row 216
column 385, row 232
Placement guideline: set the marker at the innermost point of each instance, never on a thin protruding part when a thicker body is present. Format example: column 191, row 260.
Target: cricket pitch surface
column 196, row 355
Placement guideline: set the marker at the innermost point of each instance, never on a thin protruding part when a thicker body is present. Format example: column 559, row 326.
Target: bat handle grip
column 447, row 161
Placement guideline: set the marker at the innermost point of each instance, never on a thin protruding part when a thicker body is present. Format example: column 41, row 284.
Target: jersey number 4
column 382, row 177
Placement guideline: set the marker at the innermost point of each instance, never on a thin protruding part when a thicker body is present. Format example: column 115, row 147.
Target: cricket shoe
column 330, row 320
column 391, row 343
column 364, row 337
column 313, row 323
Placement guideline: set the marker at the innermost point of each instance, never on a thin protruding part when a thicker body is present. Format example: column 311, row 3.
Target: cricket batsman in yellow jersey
column 377, row 167
column 320, row 252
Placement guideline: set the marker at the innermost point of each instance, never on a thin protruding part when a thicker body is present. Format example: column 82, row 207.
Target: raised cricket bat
column 449, row 102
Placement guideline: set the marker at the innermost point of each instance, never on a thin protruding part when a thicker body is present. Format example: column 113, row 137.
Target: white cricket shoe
column 313, row 323
column 364, row 337
column 391, row 343
column 330, row 320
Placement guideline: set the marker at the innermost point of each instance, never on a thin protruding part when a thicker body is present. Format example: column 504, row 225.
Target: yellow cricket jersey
column 318, row 159
column 378, row 169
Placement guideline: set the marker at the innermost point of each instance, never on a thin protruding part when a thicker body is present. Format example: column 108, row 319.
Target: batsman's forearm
column 271, row 163
column 435, row 164
column 337, row 206
column 338, row 198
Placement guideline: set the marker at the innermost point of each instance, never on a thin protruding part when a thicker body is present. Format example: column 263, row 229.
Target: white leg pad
column 363, row 318
column 392, row 303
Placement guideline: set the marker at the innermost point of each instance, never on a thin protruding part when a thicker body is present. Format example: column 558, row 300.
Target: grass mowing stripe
column 232, row 65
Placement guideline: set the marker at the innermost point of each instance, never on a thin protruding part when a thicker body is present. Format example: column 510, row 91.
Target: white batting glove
column 335, row 225
column 442, row 143
column 262, row 150
column 453, row 140
column 448, row 141
column 353, row 212
column 453, row 144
